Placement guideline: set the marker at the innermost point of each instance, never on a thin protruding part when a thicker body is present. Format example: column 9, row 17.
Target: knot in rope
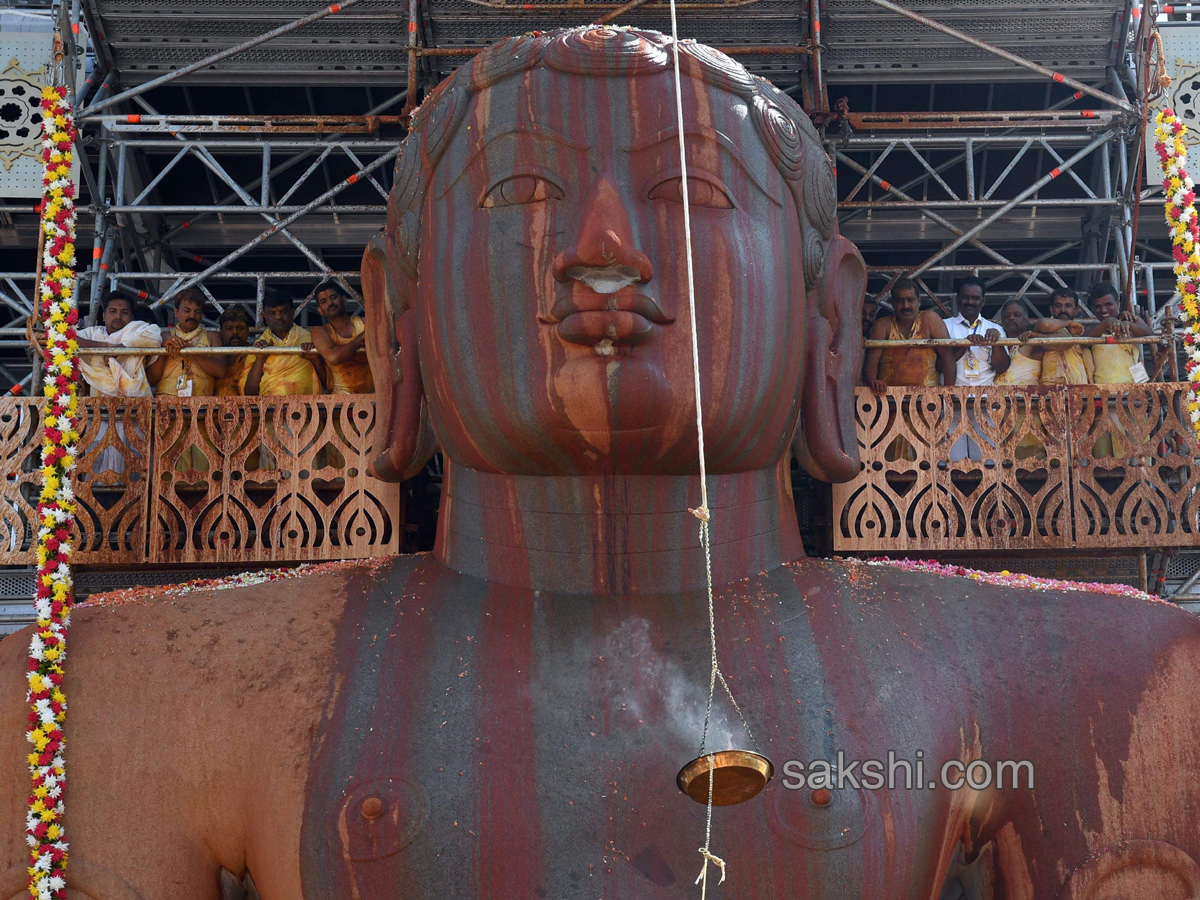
column 702, row 878
column 700, row 512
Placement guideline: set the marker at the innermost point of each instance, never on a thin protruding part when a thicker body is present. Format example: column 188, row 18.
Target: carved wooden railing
column 1089, row 467
column 206, row 480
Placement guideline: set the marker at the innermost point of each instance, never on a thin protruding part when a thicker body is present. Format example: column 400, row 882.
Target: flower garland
column 56, row 507
column 1185, row 236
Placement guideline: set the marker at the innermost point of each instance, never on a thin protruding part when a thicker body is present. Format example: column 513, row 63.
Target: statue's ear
column 826, row 441
column 404, row 438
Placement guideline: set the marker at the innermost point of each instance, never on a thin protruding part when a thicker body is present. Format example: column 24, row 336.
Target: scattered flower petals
column 1012, row 579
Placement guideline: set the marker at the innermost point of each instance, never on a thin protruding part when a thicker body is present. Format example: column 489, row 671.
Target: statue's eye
column 701, row 192
column 521, row 189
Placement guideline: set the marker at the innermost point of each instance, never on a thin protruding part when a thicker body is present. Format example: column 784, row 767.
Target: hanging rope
column 702, row 512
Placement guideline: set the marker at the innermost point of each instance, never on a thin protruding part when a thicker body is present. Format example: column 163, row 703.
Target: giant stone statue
column 504, row 718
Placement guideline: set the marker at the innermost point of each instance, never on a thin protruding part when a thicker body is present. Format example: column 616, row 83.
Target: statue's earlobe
column 826, row 440
column 404, row 438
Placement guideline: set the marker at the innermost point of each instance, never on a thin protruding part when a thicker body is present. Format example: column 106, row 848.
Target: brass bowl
column 738, row 776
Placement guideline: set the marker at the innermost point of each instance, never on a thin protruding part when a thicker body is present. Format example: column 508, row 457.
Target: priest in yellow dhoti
column 1114, row 363
column 1070, row 365
column 278, row 374
column 188, row 376
column 273, row 375
column 340, row 342
column 1027, row 364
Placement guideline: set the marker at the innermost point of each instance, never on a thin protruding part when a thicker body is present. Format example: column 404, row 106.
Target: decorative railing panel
column 922, row 486
column 236, row 480
column 206, row 480
column 110, row 483
column 1135, row 476
column 1057, row 468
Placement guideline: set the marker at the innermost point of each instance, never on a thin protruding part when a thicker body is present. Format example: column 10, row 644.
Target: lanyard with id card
column 971, row 363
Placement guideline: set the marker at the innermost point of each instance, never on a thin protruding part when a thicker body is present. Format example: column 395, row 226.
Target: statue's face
column 553, row 296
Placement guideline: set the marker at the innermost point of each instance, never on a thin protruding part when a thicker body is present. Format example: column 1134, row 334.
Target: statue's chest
column 487, row 750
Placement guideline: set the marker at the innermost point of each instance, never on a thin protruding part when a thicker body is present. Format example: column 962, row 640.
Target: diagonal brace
column 1007, row 207
column 280, row 225
column 1005, row 54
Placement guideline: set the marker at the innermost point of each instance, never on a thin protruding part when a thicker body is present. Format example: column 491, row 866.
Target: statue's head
column 528, row 302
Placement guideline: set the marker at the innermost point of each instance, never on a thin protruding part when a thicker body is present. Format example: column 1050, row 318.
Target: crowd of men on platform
column 330, row 361
column 986, row 362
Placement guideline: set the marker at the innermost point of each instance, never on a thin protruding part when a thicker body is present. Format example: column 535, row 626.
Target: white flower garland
column 1185, row 237
column 56, row 508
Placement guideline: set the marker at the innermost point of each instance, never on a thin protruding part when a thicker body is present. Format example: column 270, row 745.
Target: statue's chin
column 603, row 397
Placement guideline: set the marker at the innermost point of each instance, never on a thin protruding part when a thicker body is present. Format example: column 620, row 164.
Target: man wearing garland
column 193, row 375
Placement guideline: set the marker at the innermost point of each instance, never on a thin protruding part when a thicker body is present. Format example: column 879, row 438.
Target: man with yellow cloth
column 1115, row 363
column 1027, row 364
column 1071, row 365
column 340, row 342
column 188, row 376
column 273, row 375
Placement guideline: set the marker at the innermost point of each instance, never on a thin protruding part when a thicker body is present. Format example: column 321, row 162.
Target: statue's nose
column 604, row 256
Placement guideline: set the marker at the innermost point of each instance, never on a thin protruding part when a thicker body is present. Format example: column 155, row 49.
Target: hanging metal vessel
column 738, row 776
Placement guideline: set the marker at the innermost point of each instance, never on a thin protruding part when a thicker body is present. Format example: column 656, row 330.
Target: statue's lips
column 623, row 319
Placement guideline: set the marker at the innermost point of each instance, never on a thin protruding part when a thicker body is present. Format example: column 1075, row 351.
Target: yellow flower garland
column 56, row 506
column 1185, row 238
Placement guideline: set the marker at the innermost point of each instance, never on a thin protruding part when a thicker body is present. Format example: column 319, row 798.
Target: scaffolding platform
column 864, row 43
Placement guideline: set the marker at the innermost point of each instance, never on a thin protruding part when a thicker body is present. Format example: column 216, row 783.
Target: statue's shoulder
column 222, row 622
column 980, row 609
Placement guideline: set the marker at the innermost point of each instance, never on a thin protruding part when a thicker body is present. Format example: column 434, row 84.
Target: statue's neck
column 618, row 534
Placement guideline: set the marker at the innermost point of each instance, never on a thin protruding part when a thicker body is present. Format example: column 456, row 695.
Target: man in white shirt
column 116, row 376
column 978, row 364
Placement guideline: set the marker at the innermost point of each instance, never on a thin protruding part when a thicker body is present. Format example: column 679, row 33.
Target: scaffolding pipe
column 330, row 10
column 615, row 14
column 1004, row 54
column 410, row 104
column 819, row 99
column 972, row 204
column 999, row 213
column 934, row 217
column 969, row 156
column 287, row 164
column 278, row 226
column 1015, row 342
column 939, row 121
